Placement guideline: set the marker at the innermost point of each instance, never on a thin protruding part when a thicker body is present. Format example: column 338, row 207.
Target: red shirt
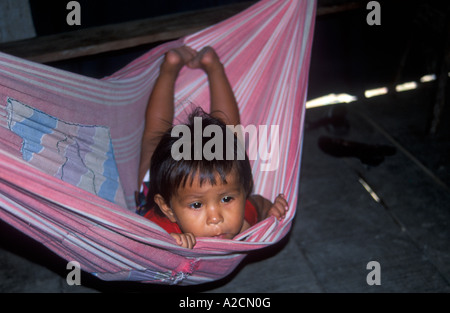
column 251, row 216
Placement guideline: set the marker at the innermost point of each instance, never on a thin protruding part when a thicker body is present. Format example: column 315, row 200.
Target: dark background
column 49, row 16
column 353, row 56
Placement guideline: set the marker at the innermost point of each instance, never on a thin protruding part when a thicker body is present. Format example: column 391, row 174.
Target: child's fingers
column 192, row 51
column 282, row 200
column 279, row 208
column 281, row 197
column 190, row 240
column 274, row 212
column 184, row 240
column 177, row 238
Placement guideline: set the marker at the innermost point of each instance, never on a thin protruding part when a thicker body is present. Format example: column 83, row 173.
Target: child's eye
column 227, row 199
column 195, row 205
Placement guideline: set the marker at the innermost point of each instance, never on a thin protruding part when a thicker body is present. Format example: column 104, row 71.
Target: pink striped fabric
column 266, row 52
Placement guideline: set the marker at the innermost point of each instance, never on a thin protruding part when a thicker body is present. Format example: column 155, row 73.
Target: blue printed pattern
column 79, row 154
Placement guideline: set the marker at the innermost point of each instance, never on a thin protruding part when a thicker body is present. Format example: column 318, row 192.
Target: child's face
column 210, row 210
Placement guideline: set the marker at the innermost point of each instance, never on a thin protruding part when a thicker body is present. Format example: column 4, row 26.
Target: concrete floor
column 339, row 227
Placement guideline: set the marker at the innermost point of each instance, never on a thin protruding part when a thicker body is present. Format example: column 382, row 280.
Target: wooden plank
column 338, row 8
column 114, row 37
column 100, row 39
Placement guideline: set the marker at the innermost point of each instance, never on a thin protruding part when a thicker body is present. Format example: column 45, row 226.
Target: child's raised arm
column 160, row 107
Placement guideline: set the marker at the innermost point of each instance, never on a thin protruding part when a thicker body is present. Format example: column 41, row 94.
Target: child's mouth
column 221, row 236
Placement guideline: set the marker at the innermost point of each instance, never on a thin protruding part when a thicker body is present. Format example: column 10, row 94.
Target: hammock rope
column 69, row 147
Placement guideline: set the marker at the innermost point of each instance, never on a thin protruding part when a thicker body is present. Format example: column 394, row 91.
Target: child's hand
column 279, row 208
column 184, row 240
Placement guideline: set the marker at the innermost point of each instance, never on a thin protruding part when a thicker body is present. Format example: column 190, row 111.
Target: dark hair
column 168, row 174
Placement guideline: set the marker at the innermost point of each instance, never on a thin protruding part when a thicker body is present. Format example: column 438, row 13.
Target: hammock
column 69, row 147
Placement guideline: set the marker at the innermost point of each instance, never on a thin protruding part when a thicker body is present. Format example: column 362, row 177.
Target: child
column 198, row 198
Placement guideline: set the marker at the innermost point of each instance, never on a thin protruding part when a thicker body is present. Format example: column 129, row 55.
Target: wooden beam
column 113, row 37
column 338, row 8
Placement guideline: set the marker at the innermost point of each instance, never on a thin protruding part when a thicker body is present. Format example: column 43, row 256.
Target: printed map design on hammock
column 81, row 155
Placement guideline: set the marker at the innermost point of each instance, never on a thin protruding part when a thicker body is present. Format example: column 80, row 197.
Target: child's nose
column 214, row 216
